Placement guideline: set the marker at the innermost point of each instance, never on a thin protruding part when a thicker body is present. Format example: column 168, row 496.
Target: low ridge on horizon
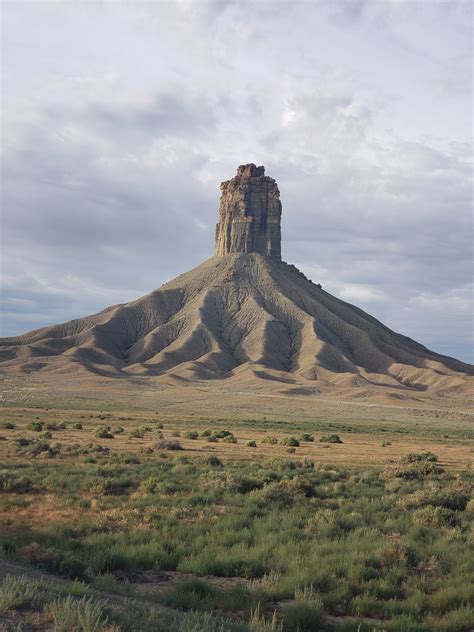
column 244, row 313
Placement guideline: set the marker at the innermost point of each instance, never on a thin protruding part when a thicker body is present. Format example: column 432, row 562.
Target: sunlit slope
column 233, row 315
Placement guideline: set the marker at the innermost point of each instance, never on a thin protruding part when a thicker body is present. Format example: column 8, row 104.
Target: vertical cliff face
column 249, row 214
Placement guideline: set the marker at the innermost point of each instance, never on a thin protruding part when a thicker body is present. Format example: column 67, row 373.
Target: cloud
column 119, row 122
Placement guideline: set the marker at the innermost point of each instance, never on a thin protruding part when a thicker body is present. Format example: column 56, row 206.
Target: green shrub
column 168, row 444
column 37, row 426
column 212, row 439
column 76, row 614
column 302, row 617
column 307, row 438
column 159, row 426
column 435, row 517
column 149, row 485
column 206, row 433
column 191, row 434
column 214, row 461
column 11, row 483
column 17, row 591
column 21, row 442
column 271, row 440
column 413, row 471
column 291, row 442
column 78, row 425
column 251, row 444
column 130, row 459
column 7, row 425
column 330, row 438
column 104, row 433
column 111, row 486
column 230, row 439
column 193, row 594
column 118, row 430
column 416, row 457
column 221, row 434
column 52, row 560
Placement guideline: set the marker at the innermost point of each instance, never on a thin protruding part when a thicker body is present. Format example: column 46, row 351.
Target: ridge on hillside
column 243, row 310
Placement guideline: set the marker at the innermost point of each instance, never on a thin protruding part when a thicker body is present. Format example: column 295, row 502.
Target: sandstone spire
column 249, row 214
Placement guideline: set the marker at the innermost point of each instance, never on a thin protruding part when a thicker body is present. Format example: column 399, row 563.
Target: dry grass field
column 189, row 509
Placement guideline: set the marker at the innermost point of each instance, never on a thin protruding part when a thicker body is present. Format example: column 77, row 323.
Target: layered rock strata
column 249, row 214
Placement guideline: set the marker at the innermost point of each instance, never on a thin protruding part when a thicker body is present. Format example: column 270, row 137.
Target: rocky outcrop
column 249, row 214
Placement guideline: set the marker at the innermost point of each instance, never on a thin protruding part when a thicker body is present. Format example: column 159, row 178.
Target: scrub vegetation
column 154, row 527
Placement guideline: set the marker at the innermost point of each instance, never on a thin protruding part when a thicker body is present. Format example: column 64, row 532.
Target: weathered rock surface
column 243, row 316
column 249, row 214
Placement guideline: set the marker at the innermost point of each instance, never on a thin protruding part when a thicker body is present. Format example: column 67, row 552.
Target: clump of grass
column 303, row 617
column 7, row 425
column 84, row 614
column 78, row 425
column 251, row 444
column 18, row 591
column 307, row 438
column 330, row 438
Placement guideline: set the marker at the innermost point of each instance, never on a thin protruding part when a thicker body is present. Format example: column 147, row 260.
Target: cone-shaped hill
column 243, row 312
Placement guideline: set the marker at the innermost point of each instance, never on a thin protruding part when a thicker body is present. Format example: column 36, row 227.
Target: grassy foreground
column 171, row 526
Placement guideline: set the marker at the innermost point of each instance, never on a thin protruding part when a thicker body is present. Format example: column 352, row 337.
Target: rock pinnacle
column 249, row 214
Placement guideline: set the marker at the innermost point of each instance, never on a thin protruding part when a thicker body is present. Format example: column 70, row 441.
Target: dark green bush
column 303, row 617
column 416, row 457
column 291, row 442
column 103, row 433
column 191, row 434
column 271, row 440
column 168, row 444
column 330, row 438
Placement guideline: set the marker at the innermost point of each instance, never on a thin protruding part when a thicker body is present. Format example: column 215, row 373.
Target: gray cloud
column 114, row 149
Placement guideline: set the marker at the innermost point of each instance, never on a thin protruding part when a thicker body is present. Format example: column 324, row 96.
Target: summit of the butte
column 242, row 317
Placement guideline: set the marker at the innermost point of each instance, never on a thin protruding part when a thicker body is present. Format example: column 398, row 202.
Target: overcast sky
column 119, row 121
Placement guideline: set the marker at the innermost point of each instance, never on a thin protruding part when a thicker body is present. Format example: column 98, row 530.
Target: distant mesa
column 243, row 316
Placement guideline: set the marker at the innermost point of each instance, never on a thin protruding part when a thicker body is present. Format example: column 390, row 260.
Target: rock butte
column 243, row 317
column 249, row 214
